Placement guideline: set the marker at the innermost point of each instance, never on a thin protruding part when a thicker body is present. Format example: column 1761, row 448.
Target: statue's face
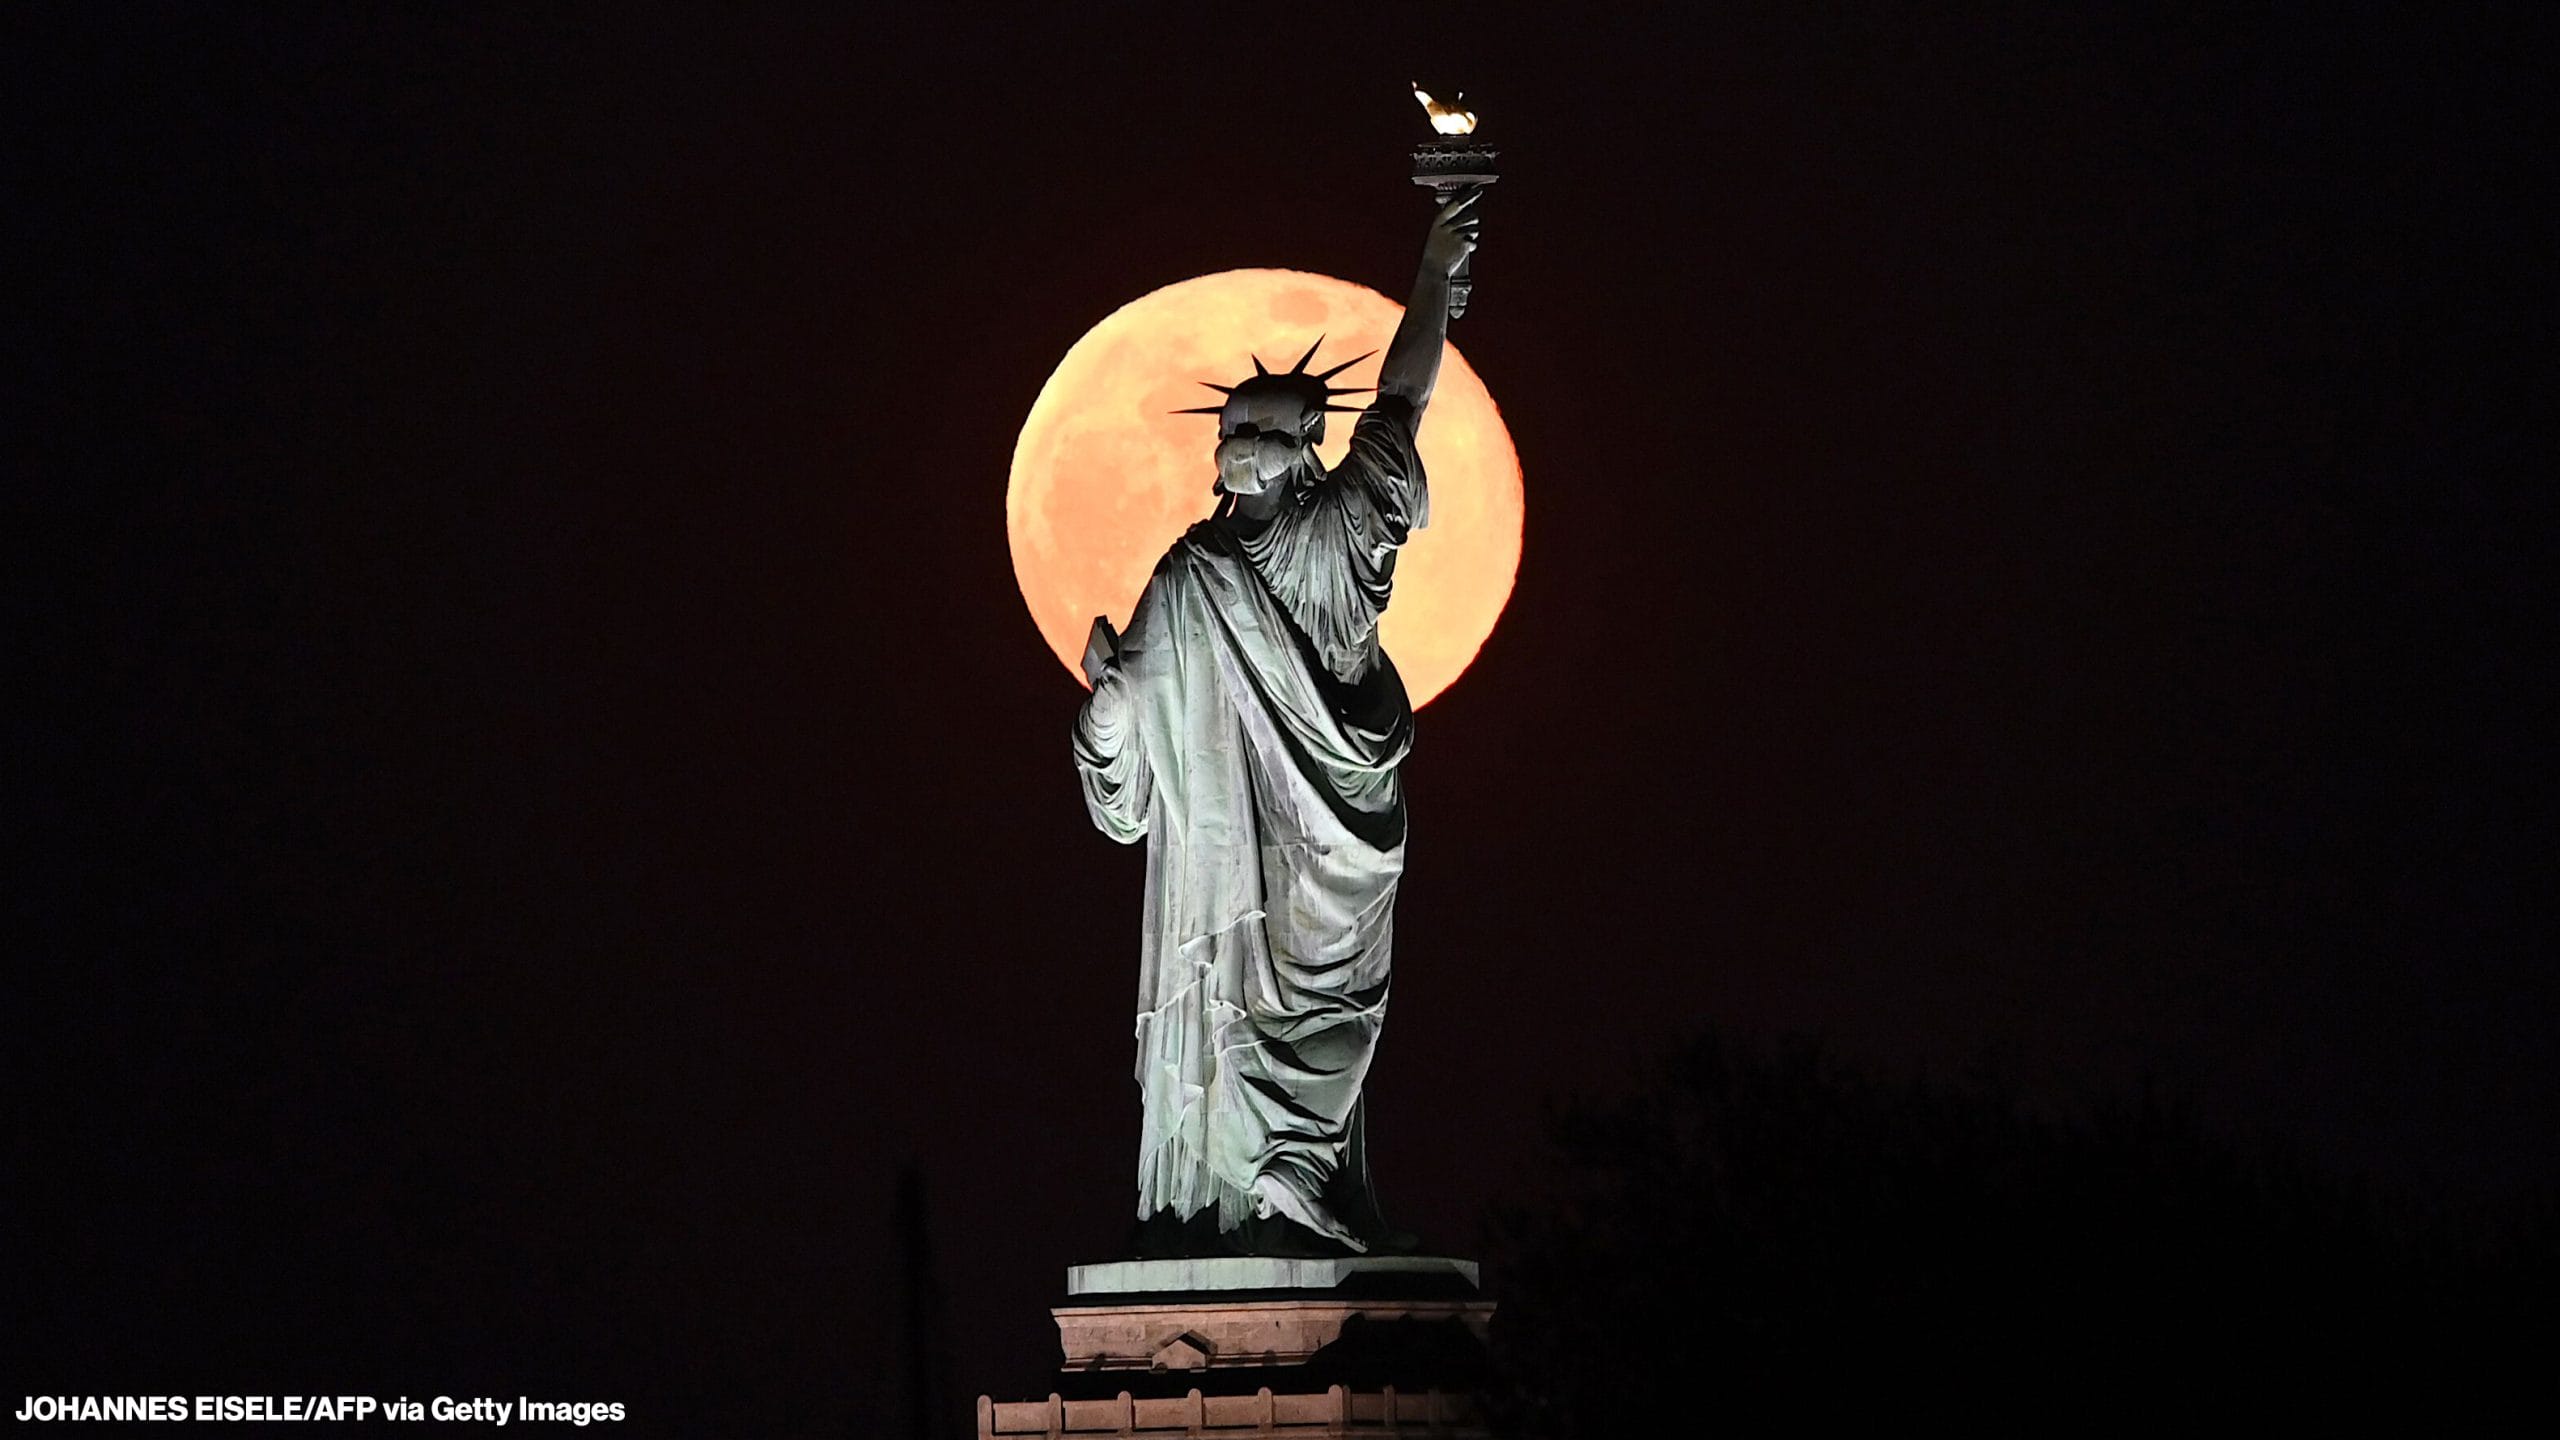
column 1263, row 437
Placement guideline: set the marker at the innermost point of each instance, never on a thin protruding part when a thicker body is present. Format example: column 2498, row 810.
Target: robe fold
column 1250, row 731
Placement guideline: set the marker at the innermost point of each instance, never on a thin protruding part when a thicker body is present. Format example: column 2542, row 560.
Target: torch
column 1450, row 162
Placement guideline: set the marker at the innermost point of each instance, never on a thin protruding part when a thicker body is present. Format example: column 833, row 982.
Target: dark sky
column 538, row 794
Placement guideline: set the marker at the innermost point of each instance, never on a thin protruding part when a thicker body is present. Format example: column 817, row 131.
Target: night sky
column 537, row 795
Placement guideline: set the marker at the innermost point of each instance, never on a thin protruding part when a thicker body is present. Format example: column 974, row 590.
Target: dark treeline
column 1767, row 1231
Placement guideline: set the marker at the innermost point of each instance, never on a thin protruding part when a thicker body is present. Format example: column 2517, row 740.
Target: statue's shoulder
column 1205, row 543
column 1206, row 537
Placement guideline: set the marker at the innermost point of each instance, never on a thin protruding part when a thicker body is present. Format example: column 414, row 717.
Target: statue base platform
column 1313, row 1348
column 1232, row 1273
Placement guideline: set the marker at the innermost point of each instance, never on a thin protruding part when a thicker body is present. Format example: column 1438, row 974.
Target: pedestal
column 1317, row 1349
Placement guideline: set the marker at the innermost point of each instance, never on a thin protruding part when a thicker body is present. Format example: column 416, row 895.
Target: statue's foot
column 1271, row 1196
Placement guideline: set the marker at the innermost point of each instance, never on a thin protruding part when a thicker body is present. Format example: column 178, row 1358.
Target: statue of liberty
column 1249, row 728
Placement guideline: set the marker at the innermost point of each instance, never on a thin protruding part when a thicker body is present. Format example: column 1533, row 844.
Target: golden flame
column 1447, row 119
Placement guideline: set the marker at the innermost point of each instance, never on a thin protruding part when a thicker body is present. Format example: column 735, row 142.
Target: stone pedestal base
column 1319, row 1349
column 1338, row 1413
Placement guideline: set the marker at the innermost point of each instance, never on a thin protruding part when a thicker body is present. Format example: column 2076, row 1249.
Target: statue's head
column 1264, row 433
column 1270, row 425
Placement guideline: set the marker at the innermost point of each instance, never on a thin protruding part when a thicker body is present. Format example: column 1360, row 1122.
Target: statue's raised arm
column 1412, row 366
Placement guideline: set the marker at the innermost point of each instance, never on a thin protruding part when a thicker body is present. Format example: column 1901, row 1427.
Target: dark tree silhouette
column 1759, row 1234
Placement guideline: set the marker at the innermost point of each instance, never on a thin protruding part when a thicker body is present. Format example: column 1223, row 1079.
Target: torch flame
column 1448, row 119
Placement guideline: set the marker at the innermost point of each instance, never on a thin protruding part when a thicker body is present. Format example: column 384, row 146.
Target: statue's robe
column 1250, row 731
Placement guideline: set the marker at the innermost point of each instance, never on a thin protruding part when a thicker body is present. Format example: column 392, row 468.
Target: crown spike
column 1301, row 367
column 1344, row 409
column 1202, row 410
column 1257, row 366
column 1345, row 365
column 1221, row 389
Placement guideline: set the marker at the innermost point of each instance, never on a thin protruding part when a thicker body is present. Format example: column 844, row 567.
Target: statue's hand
column 1101, row 648
column 1453, row 233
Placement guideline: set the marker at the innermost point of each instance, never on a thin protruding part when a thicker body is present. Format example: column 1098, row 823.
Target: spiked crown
column 1311, row 390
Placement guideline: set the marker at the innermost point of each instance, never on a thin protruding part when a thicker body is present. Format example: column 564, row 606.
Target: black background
column 540, row 797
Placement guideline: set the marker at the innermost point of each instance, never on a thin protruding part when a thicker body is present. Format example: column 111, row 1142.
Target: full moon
column 1105, row 478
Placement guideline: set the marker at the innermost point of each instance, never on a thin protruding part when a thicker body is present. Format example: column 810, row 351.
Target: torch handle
column 1444, row 187
column 1461, row 280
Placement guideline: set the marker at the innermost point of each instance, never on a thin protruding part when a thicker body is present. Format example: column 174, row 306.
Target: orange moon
column 1105, row 479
